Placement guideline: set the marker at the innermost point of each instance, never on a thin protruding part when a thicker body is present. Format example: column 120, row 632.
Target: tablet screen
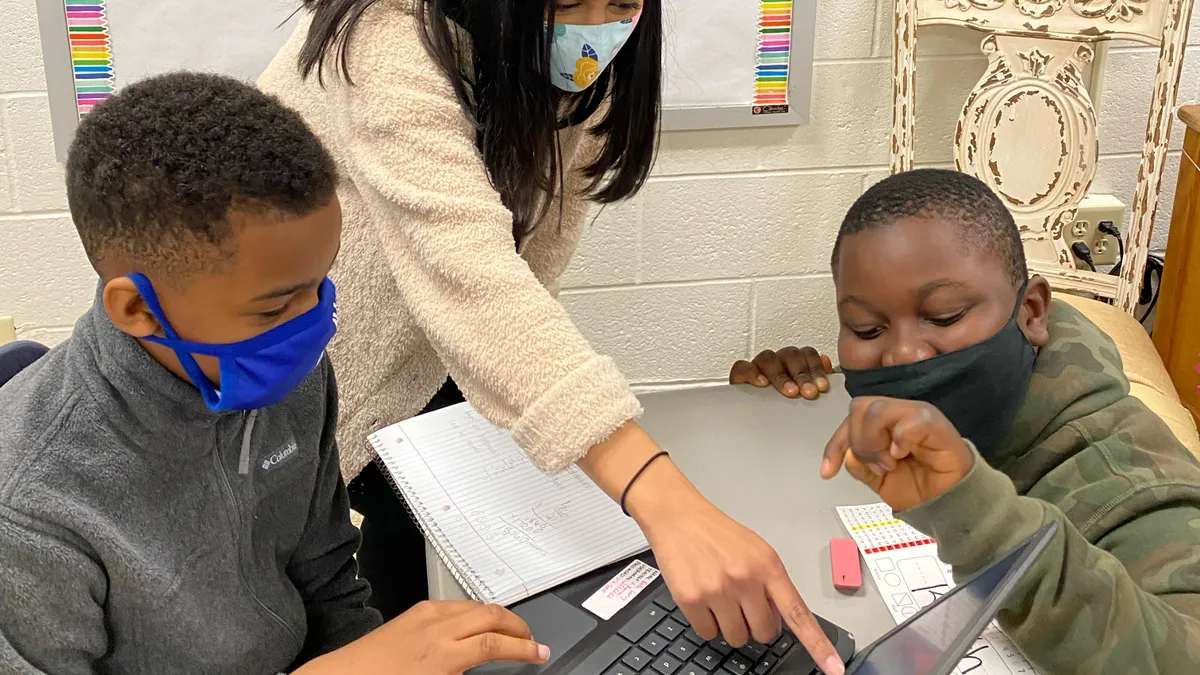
column 920, row 646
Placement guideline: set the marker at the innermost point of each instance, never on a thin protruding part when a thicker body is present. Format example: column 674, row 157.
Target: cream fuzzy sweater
column 429, row 281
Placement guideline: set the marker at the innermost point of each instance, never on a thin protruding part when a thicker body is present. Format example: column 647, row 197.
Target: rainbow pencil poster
column 91, row 53
column 774, row 56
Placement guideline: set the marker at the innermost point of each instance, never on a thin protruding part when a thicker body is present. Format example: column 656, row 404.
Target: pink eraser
column 847, row 574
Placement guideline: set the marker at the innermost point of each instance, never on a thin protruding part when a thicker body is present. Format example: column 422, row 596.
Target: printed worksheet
column 906, row 569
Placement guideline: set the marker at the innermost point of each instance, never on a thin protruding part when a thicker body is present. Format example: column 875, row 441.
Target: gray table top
column 756, row 454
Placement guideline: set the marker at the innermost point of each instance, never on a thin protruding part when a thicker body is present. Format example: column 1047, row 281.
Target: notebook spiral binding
column 475, row 586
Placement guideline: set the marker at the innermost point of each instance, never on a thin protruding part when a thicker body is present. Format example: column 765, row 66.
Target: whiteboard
column 712, row 53
column 701, row 65
column 151, row 37
column 715, row 52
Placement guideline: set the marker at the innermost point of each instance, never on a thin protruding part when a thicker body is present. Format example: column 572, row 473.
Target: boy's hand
column 906, row 451
column 795, row 371
column 435, row 638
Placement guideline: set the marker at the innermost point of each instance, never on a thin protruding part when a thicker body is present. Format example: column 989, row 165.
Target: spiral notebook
column 504, row 529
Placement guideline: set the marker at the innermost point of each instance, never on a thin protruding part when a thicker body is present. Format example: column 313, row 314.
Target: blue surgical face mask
column 578, row 54
column 262, row 370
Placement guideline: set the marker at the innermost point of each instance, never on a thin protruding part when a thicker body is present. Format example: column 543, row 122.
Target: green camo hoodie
column 1118, row 590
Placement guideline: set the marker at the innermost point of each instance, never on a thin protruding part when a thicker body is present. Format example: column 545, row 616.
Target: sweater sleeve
column 1128, row 604
column 53, row 592
column 447, row 238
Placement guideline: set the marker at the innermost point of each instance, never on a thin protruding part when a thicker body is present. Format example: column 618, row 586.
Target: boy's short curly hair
column 983, row 221
column 156, row 171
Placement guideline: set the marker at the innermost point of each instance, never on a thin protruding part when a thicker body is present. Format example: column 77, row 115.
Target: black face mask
column 979, row 388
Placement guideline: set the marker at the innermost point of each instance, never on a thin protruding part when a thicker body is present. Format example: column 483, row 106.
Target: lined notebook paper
column 504, row 529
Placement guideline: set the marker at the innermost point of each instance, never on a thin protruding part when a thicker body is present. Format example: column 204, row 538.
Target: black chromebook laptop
column 650, row 636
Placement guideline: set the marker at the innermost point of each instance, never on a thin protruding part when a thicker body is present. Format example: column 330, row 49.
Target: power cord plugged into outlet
column 1148, row 297
column 1107, row 227
column 1083, row 252
column 1088, row 225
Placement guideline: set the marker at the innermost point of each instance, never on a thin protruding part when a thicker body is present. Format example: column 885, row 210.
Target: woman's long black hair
column 501, row 79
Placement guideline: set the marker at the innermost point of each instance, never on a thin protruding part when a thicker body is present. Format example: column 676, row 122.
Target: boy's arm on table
column 1132, row 606
column 51, row 600
column 323, row 566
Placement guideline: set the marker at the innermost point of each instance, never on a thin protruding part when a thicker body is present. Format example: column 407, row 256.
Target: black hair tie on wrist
column 646, row 465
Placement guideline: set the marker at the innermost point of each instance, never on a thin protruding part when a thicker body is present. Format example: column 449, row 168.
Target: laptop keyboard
column 659, row 641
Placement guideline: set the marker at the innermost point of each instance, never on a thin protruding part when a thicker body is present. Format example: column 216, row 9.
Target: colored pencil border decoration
column 774, row 56
column 91, row 53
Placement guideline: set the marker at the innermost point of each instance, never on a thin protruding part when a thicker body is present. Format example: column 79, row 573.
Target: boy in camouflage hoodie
column 983, row 410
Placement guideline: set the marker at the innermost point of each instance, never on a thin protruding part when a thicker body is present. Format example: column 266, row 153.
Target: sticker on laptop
column 621, row 590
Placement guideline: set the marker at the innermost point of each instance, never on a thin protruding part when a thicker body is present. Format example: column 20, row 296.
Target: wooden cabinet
column 1177, row 324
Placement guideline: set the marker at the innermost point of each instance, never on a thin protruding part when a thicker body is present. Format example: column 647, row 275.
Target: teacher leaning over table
column 471, row 136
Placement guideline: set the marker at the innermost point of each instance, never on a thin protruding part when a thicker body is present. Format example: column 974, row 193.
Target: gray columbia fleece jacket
column 142, row 533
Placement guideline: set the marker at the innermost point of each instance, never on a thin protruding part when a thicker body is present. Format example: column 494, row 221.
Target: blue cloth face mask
column 578, row 54
column 262, row 370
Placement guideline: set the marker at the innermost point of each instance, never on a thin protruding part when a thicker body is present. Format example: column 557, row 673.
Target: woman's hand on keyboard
column 724, row 577
column 435, row 638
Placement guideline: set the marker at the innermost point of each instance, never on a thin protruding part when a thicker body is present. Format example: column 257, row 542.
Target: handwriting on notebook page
column 485, row 501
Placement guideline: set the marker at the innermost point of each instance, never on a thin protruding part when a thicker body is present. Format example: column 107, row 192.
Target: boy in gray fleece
column 170, row 499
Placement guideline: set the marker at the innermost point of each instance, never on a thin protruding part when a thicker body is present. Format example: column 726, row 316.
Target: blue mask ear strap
column 212, row 397
column 146, row 289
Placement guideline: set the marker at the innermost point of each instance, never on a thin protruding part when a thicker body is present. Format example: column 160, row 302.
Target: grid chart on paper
column 909, row 576
column 876, row 529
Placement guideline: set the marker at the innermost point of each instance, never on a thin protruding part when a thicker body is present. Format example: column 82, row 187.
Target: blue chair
column 17, row 356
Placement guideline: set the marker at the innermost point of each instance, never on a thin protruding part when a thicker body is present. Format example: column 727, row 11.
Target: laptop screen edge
column 1031, row 550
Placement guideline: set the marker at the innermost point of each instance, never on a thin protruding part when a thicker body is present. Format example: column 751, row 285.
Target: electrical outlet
column 8, row 330
column 1093, row 210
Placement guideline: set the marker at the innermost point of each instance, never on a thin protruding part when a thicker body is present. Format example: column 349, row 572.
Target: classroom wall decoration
column 740, row 63
column 727, row 64
column 91, row 53
column 774, row 57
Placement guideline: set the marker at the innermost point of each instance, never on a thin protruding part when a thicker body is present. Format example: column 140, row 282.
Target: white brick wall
column 724, row 253
column 45, row 279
